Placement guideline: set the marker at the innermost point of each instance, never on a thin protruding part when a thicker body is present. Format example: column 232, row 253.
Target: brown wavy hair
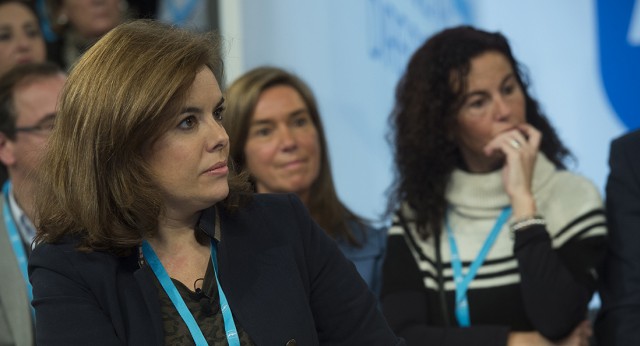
column 242, row 96
column 120, row 97
column 424, row 118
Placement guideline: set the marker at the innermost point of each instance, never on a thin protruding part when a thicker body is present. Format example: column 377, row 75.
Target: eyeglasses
column 45, row 126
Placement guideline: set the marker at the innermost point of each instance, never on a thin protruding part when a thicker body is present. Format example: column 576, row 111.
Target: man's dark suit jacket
column 618, row 322
column 284, row 278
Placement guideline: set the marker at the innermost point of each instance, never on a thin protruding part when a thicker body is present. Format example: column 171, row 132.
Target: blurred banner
column 582, row 58
column 619, row 43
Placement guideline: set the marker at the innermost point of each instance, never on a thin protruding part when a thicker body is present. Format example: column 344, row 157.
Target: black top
column 204, row 305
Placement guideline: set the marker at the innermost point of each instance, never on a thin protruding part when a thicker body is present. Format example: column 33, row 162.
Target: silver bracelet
column 524, row 223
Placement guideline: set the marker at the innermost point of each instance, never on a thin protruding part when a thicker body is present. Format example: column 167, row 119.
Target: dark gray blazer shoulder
column 16, row 327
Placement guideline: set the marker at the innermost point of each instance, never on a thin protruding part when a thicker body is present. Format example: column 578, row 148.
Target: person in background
column 21, row 40
column 147, row 237
column 79, row 24
column 273, row 119
column 618, row 321
column 493, row 241
column 192, row 14
column 28, row 98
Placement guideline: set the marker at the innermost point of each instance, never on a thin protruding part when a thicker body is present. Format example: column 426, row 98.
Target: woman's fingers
column 520, row 148
column 514, row 139
column 533, row 135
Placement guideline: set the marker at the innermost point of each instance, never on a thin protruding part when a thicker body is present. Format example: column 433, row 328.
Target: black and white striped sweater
column 542, row 281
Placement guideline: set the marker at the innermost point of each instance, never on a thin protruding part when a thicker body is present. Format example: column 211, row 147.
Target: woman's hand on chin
column 520, row 147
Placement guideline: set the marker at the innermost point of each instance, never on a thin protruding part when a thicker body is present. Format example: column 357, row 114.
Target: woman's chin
column 496, row 161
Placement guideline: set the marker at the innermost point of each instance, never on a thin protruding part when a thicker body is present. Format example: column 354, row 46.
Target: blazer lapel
column 263, row 284
column 144, row 277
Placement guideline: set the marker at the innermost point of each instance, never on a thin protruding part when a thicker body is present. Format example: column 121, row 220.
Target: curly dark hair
column 424, row 118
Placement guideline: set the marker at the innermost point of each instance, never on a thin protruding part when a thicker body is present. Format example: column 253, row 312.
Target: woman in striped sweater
column 493, row 242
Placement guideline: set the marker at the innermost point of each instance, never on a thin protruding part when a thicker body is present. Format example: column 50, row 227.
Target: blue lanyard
column 171, row 290
column 49, row 35
column 229, row 324
column 16, row 241
column 180, row 15
column 462, row 281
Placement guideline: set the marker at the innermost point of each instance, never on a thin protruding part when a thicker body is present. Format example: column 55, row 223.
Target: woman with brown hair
column 146, row 237
column 273, row 119
column 493, row 242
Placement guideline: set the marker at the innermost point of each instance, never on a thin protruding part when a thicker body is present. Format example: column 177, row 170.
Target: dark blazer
column 618, row 322
column 284, row 279
column 16, row 327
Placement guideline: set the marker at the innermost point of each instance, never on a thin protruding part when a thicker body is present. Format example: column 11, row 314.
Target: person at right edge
column 618, row 322
column 493, row 241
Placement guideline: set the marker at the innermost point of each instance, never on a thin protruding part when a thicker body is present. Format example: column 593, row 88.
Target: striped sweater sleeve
column 556, row 284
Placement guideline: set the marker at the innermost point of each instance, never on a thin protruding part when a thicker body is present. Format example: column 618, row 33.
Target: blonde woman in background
column 273, row 119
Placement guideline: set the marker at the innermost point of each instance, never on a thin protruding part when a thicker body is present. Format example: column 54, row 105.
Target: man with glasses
column 28, row 97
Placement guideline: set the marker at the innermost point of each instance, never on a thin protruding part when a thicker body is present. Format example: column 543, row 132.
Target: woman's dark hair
column 28, row 4
column 424, row 118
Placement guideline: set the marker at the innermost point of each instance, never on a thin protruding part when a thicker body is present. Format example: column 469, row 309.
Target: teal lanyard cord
column 171, row 290
column 229, row 324
column 16, row 242
column 461, row 280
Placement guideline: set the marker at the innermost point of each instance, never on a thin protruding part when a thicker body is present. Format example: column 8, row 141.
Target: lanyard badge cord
column 463, row 281
column 171, row 290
